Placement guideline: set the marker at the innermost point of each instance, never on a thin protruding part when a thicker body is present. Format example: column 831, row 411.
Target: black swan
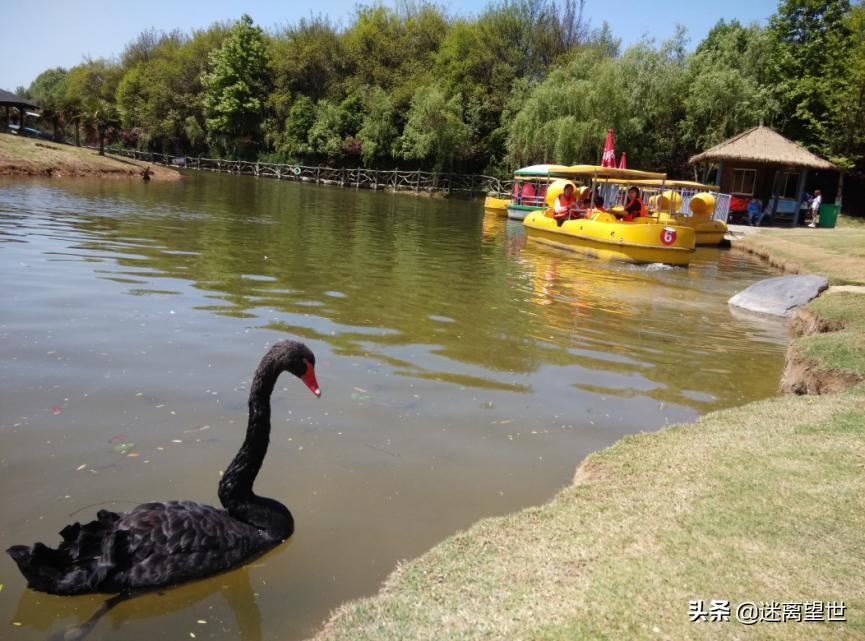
column 160, row 544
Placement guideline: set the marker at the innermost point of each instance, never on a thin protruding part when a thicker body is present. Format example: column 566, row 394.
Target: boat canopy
column 598, row 172
column 534, row 170
column 672, row 184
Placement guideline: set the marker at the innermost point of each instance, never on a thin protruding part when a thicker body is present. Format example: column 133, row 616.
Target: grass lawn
column 838, row 254
column 764, row 502
column 20, row 156
column 833, row 345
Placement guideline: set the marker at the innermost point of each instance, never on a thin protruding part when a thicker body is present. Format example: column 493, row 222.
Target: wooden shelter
column 761, row 163
column 25, row 107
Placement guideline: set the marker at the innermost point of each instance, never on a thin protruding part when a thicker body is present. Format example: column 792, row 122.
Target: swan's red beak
column 309, row 379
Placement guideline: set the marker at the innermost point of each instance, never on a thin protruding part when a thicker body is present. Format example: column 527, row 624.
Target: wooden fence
column 394, row 180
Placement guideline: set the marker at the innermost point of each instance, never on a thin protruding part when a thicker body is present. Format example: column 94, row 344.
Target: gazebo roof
column 9, row 98
column 763, row 145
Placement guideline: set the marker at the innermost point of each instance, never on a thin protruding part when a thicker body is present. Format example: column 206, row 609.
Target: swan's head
column 298, row 359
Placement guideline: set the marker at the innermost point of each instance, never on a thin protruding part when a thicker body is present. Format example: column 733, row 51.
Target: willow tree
column 377, row 130
column 435, row 131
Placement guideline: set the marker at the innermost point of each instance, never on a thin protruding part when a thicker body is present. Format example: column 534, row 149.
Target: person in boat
column 634, row 206
column 599, row 203
column 565, row 205
column 586, row 199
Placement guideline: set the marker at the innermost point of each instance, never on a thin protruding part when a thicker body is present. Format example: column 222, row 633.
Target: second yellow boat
column 643, row 240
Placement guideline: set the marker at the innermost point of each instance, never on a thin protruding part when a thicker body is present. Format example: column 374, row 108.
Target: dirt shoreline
column 27, row 157
column 803, row 374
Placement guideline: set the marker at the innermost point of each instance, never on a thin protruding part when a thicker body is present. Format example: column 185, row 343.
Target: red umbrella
column 609, row 158
column 623, row 161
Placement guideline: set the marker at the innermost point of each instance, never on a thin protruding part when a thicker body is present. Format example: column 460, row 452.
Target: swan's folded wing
column 159, row 543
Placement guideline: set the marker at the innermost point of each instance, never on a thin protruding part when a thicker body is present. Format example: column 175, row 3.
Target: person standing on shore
column 816, row 201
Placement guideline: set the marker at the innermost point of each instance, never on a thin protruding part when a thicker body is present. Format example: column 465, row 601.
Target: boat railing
column 531, row 201
column 616, row 194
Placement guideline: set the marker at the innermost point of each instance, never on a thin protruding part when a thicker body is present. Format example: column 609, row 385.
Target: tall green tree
column 307, row 58
column 90, row 92
column 726, row 89
column 49, row 91
column 435, row 131
column 810, row 39
column 234, row 90
column 378, row 130
column 845, row 133
column 326, row 134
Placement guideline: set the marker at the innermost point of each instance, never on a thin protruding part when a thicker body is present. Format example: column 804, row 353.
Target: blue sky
column 38, row 34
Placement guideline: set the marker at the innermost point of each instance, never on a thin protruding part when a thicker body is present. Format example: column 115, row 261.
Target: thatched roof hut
column 762, row 145
column 761, row 163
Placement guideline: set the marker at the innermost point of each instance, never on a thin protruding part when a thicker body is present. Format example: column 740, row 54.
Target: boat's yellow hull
column 644, row 240
column 497, row 204
column 709, row 232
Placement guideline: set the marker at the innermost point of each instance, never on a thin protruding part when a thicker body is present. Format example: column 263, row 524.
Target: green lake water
column 465, row 373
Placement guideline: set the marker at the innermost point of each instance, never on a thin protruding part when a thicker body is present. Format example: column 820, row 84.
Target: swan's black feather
column 158, row 544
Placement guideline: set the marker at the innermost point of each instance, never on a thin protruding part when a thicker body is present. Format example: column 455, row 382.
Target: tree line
column 524, row 81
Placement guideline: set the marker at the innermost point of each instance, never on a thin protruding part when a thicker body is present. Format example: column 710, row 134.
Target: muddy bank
column 36, row 158
column 811, row 368
column 803, row 375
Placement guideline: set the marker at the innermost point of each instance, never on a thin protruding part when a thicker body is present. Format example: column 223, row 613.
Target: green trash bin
column 829, row 215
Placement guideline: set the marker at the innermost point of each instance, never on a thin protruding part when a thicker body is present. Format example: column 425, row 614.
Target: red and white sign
column 668, row 236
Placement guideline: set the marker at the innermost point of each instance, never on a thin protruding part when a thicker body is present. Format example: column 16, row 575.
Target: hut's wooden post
column 839, row 195
column 800, row 190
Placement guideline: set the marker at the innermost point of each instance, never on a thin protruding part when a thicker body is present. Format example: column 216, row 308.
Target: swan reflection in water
column 45, row 612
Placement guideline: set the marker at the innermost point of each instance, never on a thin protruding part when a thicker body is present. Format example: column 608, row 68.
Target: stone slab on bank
column 780, row 296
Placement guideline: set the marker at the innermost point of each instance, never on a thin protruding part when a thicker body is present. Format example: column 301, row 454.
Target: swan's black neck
column 235, row 488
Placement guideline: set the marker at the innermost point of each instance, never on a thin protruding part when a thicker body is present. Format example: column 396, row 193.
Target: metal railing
column 616, row 194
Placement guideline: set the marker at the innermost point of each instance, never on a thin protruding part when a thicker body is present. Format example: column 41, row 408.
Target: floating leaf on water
column 122, row 448
column 133, row 455
column 202, row 621
column 81, row 467
column 176, row 440
column 360, row 389
column 56, row 409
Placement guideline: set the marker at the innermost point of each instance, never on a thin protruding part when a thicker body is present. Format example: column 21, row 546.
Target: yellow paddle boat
column 494, row 203
column 599, row 233
column 530, row 188
column 701, row 203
